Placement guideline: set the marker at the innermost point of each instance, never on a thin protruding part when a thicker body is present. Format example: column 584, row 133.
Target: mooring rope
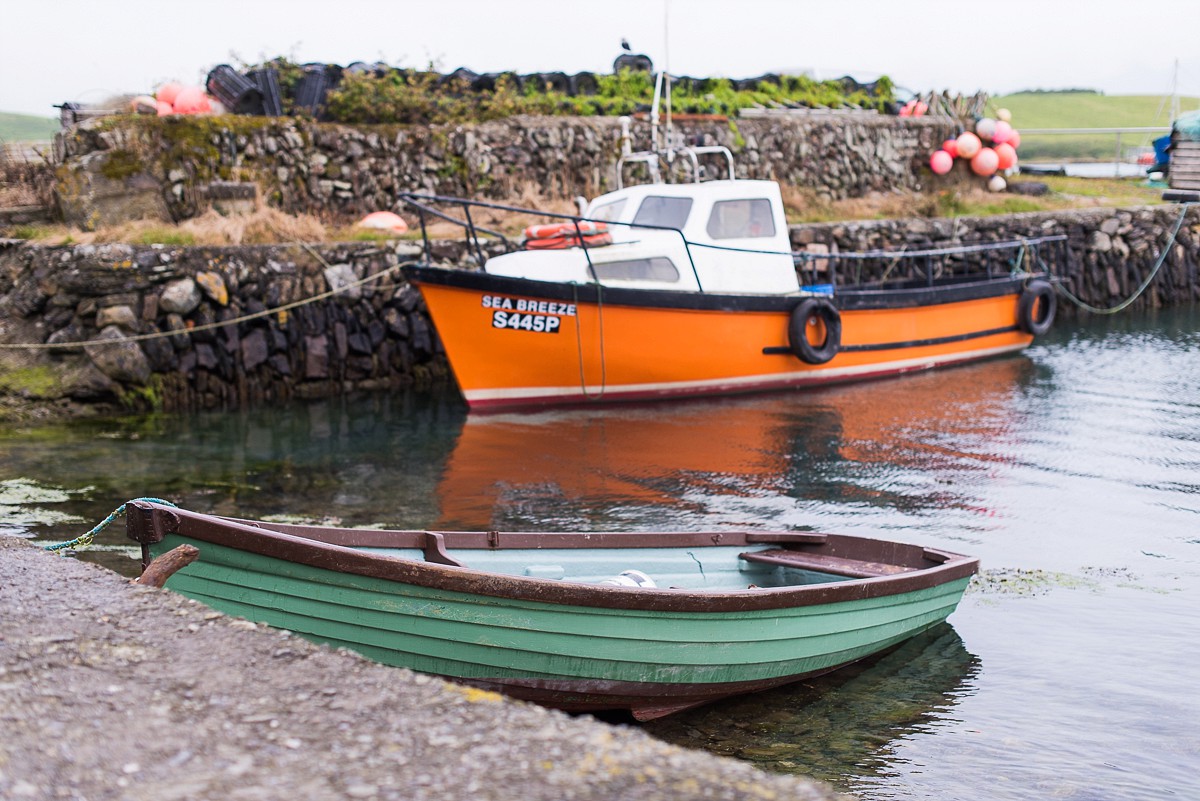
column 579, row 342
column 85, row 540
column 210, row 326
column 1162, row 258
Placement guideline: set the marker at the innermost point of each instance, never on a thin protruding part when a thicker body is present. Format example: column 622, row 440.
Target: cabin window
column 657, row 268
column 741, row 219
column 665, row 212
column 609, row 211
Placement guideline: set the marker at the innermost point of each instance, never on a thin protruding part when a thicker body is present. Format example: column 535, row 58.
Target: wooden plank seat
column 822, row 563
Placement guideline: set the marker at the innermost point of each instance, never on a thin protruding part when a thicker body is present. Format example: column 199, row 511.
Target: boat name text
column 539, row 323
column 523, row 305
column 540, row 316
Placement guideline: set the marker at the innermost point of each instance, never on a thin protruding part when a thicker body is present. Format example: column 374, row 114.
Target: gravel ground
column 109, row 690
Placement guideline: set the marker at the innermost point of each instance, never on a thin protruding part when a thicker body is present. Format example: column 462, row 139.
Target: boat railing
column 878, row 267
column 426, row 205
column 689, row 156
column 873, row 268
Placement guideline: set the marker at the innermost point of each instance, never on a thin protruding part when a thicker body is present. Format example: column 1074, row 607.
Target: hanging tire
column 823, row 311
column 1036, row 307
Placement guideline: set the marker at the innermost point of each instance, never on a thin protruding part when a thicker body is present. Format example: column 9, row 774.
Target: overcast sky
column 87, row 50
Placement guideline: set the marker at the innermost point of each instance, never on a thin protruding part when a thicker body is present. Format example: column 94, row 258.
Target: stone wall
column 1109, row 252
column 160, row 323
column 343, row 172
column 159, row 310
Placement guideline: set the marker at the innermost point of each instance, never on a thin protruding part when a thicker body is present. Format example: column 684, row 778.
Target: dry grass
column 970, row 200
column 266, row 225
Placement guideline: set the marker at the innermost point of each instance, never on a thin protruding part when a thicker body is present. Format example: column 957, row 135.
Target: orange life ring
column 565, row 229
column 560, row 242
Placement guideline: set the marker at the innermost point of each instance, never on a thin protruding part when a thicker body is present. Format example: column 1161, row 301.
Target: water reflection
column 839, row 727
column 790, row 460
column 895, row 445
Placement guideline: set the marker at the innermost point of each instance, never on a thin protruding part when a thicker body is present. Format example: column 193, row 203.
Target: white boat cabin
column 725, row 236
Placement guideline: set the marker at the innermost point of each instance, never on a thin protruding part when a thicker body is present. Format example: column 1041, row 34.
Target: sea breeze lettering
column 523, row 305
column 519, row 314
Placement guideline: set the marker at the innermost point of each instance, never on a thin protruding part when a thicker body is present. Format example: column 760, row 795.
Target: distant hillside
column 26, row 128
column 1085, row 110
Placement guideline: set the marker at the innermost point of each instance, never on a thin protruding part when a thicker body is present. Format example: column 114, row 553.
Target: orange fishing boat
column 667, row 290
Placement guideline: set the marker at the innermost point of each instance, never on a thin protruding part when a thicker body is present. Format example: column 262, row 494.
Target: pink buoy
column 984, row 162
column 165, row 109
column 919, row 109
column 985, row 128
column 384, row 221
column 1006, row 156
column 191, row 100
column 1003, row 133
column 951, row 146
column 168, row 92
column 968, row 145
column 941, row 162
column 1014, row 139
column 907, row 109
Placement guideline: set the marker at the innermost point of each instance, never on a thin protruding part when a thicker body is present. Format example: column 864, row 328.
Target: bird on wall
column 625, row 44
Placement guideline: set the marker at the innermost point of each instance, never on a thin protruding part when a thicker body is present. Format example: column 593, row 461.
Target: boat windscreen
column 664, row 212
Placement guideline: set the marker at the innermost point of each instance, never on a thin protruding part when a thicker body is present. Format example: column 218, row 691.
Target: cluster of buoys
column 174, row 98
column 914, row 108
column 990, row 149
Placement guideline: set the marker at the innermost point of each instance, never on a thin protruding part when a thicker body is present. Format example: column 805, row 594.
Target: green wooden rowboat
column 571, row 620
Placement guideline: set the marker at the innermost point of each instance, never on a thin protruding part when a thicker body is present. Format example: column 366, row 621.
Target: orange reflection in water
column 643, row 454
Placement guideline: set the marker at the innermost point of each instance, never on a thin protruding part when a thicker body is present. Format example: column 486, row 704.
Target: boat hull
column 514, row 342
column 562, row 644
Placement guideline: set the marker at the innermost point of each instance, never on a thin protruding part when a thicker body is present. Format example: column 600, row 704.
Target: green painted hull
column 651, row 661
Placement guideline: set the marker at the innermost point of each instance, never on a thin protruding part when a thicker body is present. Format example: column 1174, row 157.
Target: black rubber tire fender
column 798, row 330
column 1036, row 307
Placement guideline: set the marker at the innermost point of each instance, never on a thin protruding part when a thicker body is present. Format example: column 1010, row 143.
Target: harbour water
column 1073, row 471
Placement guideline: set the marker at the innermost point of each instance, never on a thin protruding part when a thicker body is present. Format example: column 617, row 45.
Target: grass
column 972, row 201
column 271, row 226
column 26, row 127
column 1086, row 110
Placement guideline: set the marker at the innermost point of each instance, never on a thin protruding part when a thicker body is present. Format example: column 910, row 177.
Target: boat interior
column 712, row 561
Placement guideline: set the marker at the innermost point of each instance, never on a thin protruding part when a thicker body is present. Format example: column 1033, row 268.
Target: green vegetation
column 121, row 164
column 26, row 127
column 33, row 382
column 164, row 236
column 414, row 97
column 1085, row 109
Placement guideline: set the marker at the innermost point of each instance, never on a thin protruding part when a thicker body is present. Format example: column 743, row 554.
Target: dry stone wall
column 342, row 172
column 192, row 328
column 186, row 328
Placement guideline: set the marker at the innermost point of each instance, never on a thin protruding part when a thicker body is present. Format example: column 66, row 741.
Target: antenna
column 667, row 63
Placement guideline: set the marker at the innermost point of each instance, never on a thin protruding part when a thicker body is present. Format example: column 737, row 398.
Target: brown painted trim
column 308, row 549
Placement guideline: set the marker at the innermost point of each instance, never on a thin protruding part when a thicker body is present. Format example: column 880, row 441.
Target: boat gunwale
column 149, row 523
column 847, row 298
